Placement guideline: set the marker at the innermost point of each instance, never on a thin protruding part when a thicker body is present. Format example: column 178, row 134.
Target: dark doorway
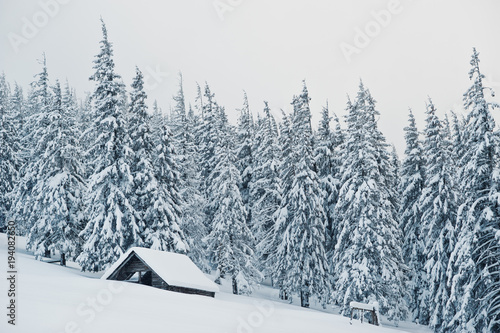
column 147, row 279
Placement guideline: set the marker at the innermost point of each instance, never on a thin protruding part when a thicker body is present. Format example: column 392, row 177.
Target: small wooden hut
column 160, row 269
column 362, row 307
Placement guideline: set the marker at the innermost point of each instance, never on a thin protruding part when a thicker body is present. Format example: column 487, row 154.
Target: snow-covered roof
column 175, row 269
column 363, row 306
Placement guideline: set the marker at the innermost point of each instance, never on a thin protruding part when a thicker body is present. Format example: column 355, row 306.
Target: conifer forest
column 325, row 212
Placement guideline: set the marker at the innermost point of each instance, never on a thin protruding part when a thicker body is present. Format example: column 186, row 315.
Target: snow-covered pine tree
column 474, row 269
column 244, row 153
column 18, row 116
column 179, row 117
column 367, row 260
column 301, row 263
column 164, row 218
column 208, row 132
column 286, row 173
column 155, row 195
column 326, row 162
column 84, row 121
column 265, row 193
column 412, row 182
column 437, row 205
column 456, row 149
column 230, row 239
column 59, row 185
column 193, row 201
column 70, row 102
column 33, row 147
column 112, row 225
column 8, row 148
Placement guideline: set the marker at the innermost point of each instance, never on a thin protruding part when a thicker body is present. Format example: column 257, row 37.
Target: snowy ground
column 58, row 299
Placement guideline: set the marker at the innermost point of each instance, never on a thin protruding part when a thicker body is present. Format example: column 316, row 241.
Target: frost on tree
column 437, row 206
column 59, row 184
column 244, row 151
column 474, row 269
column 8, row 151
column 156, row 179
column 301, row 265
column 112, row 225
column 230, row 240
column 193, row 201
column 367, row 260
column 33, row 147
column 412, row 182
column 326, row 156
column 265, row 192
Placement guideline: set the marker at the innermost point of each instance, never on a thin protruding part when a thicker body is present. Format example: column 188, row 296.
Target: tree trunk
column 235, row 286
column 47, row 254
column 63, row 259
column 304, row 299
column 283, row 295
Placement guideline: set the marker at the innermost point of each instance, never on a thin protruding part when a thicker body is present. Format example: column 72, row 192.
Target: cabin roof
column 175, row 269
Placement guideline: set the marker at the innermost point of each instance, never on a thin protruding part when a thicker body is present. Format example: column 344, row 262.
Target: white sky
column 267, row 48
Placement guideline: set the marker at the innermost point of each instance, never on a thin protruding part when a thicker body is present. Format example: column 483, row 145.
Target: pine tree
column 59, row 184
column 193, row 200
column 244, row 153
column 17, row 107
column 163, row 218
column 328, row 168
column 437, row 205
column 33, row 148
column 230, row 240
column 112, row 225
column 265, row 193
column 412, row 182
column 301, row 264
column 155, row 195
column 209, row 132
column 367, row 261
column 8, row 147
column 474, row 270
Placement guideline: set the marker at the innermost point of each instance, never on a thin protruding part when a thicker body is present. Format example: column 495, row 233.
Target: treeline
column 330, row 215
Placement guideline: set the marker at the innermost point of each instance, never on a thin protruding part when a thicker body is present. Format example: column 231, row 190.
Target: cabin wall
column 157, row 281
column 191, row 291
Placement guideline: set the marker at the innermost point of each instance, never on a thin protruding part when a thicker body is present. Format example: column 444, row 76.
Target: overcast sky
column 403, row 50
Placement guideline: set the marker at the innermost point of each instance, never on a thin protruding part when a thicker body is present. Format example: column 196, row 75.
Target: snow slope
column 57, row 299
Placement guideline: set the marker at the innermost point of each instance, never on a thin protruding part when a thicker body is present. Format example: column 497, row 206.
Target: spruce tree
column 33, row 148
column 265, row 192
column 367, row 260
column 112, row 225
column 193, row 199
column 155, row 196
column 301, row 264
column 163, row 217
column 8, row 147
column 328, row 168
column 59, row 185
column 474, row 270
column 244, row 153
column 437, row 205
column 412, row 182
column 230, row 239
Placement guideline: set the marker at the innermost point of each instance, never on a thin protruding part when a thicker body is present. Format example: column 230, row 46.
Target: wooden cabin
column 163, row 270
column 362, row 308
